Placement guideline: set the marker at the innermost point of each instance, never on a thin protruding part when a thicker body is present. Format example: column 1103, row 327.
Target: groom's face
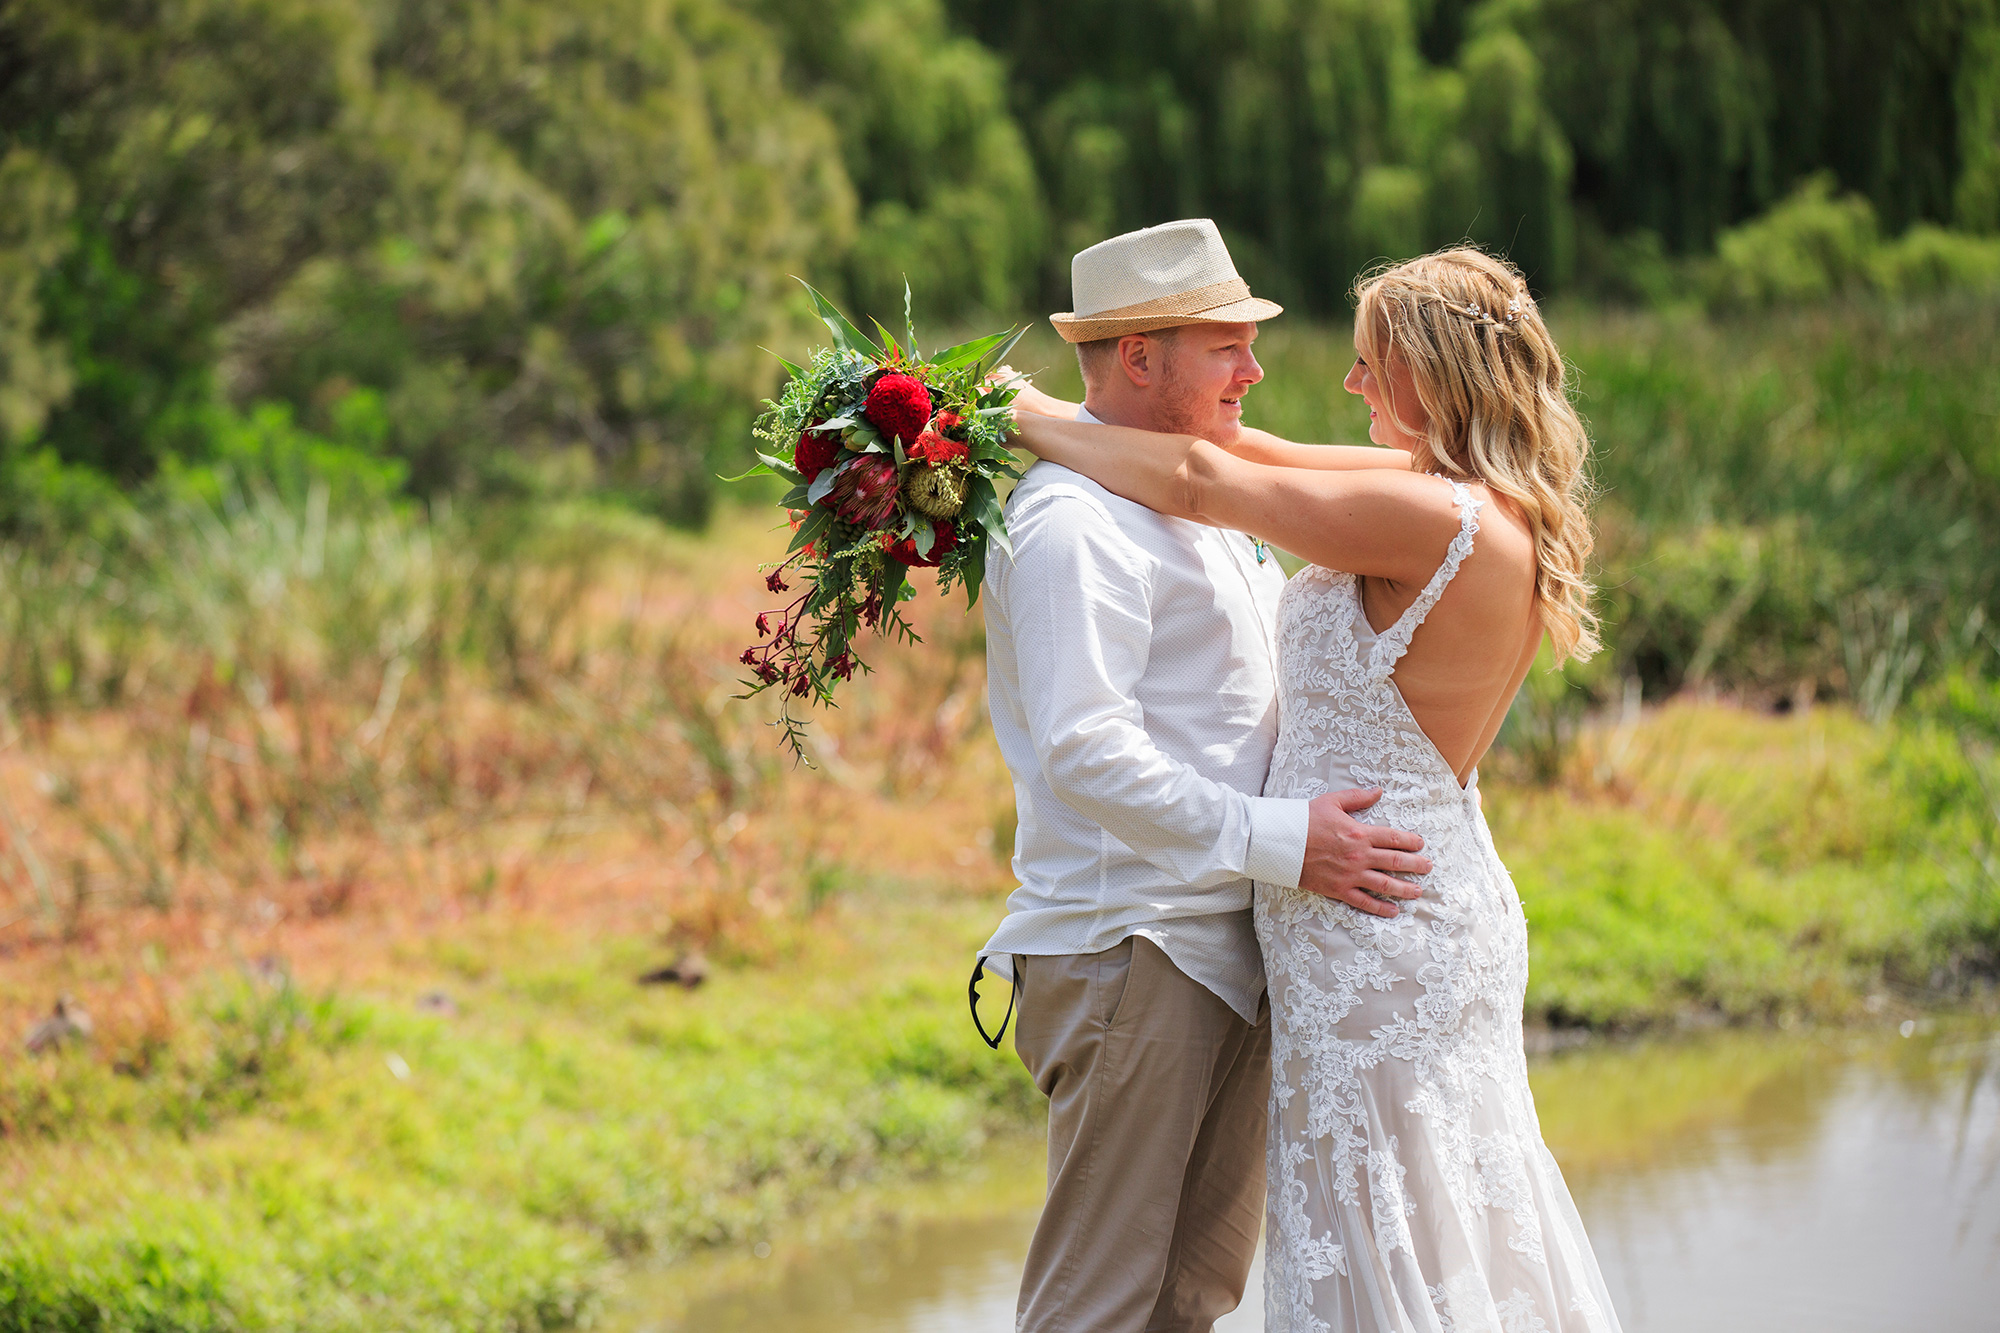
column 1205, row 369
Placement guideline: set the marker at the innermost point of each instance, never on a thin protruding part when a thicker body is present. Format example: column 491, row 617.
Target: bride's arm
column 1258, row 446
column 1372, row 521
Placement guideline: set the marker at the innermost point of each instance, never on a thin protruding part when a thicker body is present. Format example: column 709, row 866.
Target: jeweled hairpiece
column 1480, row 315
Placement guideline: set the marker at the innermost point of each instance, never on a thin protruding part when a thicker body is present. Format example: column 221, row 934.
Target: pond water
column 1837, row 1183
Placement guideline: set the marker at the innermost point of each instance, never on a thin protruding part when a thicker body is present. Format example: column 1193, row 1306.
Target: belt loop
column 972, row 998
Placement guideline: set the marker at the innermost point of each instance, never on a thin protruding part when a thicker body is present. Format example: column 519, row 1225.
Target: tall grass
column 263, row 690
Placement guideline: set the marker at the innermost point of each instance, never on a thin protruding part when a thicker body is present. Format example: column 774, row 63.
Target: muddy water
column 1832, row 1183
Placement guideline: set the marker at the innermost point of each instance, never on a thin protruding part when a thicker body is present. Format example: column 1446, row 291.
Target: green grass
column 347, row 1161
column 1746, row 868
column 398, row 1170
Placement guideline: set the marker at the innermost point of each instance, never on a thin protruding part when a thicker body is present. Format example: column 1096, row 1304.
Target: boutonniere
column 1262, row 549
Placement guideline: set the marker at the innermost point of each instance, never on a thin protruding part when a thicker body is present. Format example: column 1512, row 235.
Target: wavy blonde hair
column 1495, row 390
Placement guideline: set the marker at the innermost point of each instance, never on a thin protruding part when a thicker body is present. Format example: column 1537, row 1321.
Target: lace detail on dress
column 1394, row 641
column 1410, row 1189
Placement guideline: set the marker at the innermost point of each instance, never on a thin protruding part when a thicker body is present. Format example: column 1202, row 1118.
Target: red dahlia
column 944, row 539
column 816, row 452
column 899, row 406
column 866, row 492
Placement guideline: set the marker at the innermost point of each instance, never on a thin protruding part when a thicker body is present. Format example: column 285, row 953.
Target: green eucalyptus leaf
column 1000, row 357
column 889, row 343
column 971, row 353
column 812, row 529
column 796, row 372
column 778, row 466
column 973, row 570
column 845, row 336
column 984, row 505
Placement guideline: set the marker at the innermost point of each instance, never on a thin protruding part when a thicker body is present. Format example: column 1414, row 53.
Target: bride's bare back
column 1468, row 659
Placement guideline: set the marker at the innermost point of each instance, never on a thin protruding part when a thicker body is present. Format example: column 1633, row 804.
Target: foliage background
column 512, row 242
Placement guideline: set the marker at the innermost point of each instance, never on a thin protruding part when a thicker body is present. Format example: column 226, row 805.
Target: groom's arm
column 1078, row 598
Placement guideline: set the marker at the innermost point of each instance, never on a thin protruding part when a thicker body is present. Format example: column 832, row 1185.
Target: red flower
column 899, row 405
column 936, row 450
column 944, row 540
column 865, row 492
column 815, row 452
column 947, row 423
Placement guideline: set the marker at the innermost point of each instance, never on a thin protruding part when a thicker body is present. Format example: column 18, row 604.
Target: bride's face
column 1397, row 427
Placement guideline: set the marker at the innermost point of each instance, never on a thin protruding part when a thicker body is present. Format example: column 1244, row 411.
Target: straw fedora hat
column 1175, row 273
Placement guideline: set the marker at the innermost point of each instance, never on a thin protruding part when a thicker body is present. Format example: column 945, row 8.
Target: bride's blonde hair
column 1493, row 386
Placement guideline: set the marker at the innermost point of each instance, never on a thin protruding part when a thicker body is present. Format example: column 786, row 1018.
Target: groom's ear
column 1142, row 357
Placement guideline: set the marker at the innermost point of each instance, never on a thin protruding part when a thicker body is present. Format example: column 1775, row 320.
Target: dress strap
column 1394, row 641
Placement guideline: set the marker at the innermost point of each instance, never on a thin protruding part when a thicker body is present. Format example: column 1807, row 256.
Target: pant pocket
column 1117, row 969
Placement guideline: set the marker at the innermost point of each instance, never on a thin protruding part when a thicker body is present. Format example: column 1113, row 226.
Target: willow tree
column 465, row 225
column 946, row 189
column 1688, row 116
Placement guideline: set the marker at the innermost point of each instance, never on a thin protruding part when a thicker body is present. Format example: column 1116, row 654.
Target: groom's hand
column 1357, row 863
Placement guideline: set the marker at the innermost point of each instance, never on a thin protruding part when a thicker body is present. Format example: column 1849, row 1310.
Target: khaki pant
column 1157, row 1097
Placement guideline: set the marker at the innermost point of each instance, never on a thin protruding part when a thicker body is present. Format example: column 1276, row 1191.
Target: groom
column 1132, row 670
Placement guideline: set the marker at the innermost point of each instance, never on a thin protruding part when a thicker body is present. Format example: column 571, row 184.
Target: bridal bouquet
column 892, row 459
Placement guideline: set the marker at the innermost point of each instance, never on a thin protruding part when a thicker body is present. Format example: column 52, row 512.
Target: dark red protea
column 865, row 492
column 899, row 406
column 816, row 452
column 944, row 540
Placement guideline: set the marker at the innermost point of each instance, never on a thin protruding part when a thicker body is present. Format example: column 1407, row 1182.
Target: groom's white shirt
column 1132, row 678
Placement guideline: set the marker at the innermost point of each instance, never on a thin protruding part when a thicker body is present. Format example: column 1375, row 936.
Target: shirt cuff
column 1277, row 852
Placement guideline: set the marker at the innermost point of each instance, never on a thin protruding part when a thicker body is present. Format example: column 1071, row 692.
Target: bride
column 1409, row 1185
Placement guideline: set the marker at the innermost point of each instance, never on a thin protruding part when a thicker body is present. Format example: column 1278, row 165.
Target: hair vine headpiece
column 1479, row 314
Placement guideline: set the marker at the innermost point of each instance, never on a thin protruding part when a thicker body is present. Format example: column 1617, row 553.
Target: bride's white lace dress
column 1409, row 1186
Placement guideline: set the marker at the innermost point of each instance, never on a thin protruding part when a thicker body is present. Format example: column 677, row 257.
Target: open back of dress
column 1409, row 1186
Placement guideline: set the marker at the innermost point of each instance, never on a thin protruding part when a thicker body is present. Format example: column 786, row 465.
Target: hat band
column 1193, row 302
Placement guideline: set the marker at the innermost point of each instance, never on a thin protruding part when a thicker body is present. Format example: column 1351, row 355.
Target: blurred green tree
column 1688, row 116
column 946, row 186
column 501, row 222
column 1322, row 134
